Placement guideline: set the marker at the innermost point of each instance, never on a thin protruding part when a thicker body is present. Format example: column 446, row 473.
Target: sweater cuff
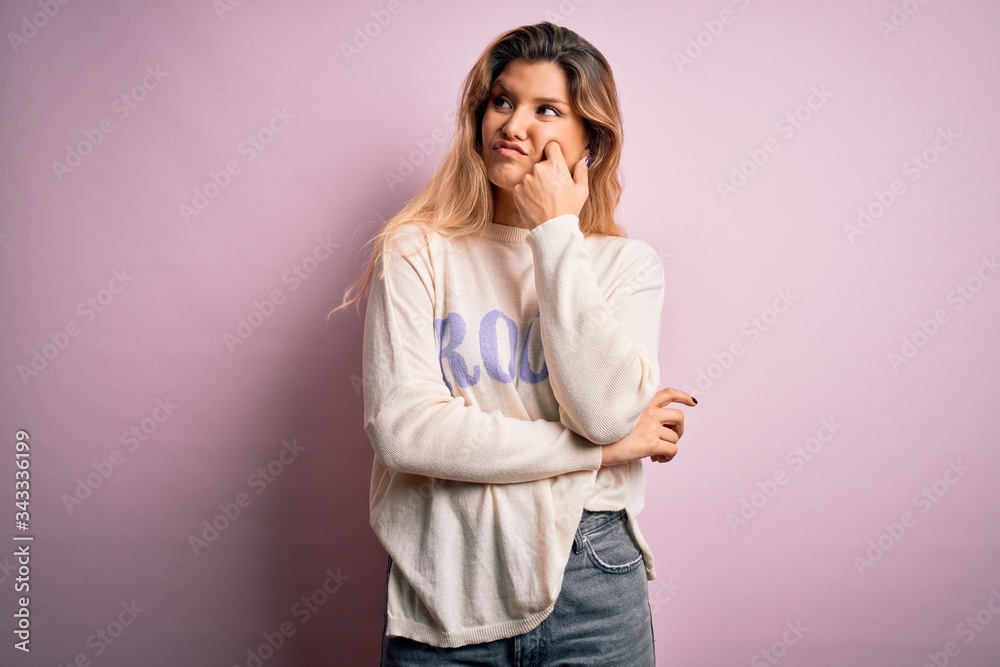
column 563, row 225
column 592, row 456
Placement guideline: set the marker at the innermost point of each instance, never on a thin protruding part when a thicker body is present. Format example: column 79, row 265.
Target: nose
column 516, row 125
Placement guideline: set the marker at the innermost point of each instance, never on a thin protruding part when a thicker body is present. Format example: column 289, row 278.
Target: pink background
column 729, row 588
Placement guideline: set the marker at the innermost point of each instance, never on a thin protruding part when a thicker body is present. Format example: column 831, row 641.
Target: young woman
column 510, row 379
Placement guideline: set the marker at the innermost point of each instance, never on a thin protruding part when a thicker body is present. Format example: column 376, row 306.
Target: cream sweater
column 487, row 448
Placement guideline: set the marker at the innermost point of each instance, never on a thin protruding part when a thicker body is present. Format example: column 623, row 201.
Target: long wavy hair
column 458, row 200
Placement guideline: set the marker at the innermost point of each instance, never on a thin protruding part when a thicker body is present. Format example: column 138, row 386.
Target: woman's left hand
column 549, row 189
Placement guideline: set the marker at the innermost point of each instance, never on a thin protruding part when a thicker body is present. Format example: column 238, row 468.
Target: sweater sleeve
column 601, row 349
column 413, row 421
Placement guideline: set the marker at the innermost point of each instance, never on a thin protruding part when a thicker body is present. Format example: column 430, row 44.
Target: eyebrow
column 554, row 100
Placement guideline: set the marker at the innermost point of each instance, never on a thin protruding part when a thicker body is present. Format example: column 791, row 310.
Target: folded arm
column 601, row 349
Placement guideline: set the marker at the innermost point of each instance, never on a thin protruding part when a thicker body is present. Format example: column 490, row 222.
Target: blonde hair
column 458, row 200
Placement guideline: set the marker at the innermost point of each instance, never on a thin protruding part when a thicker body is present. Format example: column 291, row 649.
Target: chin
column 504, row 185
column 503, row 178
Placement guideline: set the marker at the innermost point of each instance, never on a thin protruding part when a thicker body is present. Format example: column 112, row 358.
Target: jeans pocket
column 611, row 547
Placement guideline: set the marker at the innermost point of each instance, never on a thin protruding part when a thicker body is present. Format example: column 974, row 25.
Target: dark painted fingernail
column 590, row 160
column 695, row 400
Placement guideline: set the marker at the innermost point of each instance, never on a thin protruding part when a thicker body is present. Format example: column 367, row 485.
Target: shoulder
column 639, row 250
column 413, row 243
column 628, row 254
column 409, row 256
column 408, row 238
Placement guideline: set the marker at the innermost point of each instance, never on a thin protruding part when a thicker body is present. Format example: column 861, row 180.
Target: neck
column 505, row 210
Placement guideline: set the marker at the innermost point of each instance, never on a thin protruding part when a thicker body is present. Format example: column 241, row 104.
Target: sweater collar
column 506, row 233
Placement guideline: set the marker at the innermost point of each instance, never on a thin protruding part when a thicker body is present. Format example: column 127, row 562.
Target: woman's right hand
column 655, row 434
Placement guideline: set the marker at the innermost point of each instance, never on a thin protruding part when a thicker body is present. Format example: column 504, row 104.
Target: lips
column 500, row 144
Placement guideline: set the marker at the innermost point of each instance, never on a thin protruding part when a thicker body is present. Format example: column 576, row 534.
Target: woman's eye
column 500, row 99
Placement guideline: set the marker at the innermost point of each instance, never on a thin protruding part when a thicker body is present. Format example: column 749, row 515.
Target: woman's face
column 529, row 106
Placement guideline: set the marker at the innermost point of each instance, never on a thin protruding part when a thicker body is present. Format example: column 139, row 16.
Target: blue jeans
column 601, row 617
